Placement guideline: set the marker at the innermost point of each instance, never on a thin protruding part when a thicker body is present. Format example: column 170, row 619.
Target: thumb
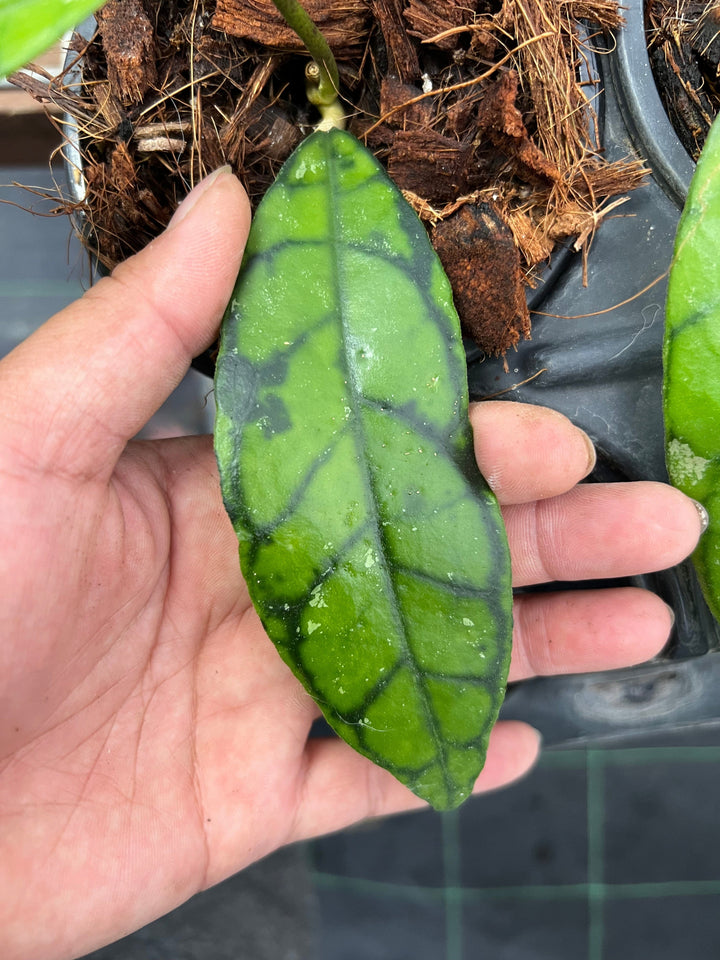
column 78, row 389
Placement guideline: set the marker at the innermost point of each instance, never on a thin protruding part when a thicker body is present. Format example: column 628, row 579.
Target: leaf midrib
column 361, row 443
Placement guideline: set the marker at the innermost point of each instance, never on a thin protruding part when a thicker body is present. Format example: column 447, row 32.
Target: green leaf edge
column 694, row 299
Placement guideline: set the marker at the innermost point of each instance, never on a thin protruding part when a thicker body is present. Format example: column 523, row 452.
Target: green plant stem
column 325, row 92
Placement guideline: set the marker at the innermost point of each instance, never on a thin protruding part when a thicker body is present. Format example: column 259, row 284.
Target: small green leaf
column 373, row 550
column 28, row 27
column 692, row 359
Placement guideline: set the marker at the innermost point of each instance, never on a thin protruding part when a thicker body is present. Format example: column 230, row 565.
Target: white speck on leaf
column 370, row 558
column 316, row 597
column 684, row 465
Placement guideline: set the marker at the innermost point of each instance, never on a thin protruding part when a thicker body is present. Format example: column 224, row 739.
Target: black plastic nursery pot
column 596, row 356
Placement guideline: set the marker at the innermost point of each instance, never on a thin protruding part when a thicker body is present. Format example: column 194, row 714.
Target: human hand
column 152, row 742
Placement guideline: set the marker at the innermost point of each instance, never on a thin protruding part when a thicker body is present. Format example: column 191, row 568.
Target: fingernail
column 188, row 202
column 704, row 516
column 671, row 612
column 591, row 452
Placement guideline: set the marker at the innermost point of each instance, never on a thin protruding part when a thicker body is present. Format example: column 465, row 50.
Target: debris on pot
column 481, row 111
column 684, row 50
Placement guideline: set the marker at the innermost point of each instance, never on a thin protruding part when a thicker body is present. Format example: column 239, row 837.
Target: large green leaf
column 27, row 27
column 692, row 359
column 373, row 550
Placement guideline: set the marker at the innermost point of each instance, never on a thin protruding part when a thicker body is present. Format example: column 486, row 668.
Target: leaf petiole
column 322, row 76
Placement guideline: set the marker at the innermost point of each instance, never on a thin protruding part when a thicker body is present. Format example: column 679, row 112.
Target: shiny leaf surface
column 373, row 550
column 692, row 359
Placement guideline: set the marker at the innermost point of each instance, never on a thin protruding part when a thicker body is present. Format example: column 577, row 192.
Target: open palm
column 151, row 740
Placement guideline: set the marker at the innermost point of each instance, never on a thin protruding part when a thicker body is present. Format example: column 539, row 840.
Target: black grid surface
column 600, row 854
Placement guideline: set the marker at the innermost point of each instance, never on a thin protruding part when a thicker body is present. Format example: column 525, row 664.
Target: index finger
column 528, row 453
column 91, row 377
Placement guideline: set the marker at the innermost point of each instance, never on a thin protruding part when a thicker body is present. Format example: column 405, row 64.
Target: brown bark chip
column 429, row 19
column 501, row 121
column 128, row 41
column 483, row 264
column 402, row 55
column 394, row 95
column 432, row 166
column 343, row 23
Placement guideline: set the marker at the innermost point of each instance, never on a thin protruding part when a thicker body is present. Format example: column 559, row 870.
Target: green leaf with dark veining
column 373, row 550
column 692, row 359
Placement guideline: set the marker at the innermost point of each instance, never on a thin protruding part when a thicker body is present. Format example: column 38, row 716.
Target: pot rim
column 647, row 121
